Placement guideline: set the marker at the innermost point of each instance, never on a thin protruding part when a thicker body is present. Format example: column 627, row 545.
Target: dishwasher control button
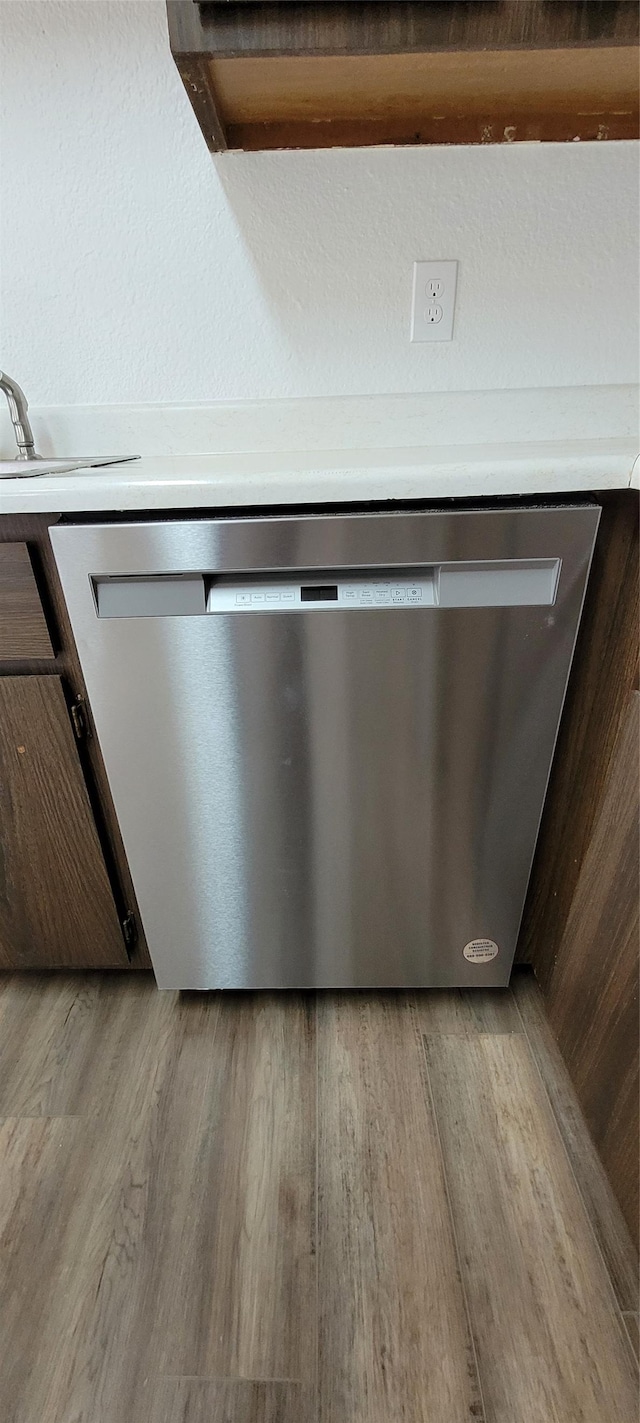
column 243, row 598
column 398, row 595
column 382, row 595
column 272, row 597
column 257, row 597
column 289, row 596
column 349, row 595
column 414, row 595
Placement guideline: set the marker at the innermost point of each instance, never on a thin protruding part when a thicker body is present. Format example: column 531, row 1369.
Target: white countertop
column 162, row 482
column 465, row 445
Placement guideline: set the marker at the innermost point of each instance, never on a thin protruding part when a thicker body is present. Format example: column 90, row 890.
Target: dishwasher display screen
column 324, row 593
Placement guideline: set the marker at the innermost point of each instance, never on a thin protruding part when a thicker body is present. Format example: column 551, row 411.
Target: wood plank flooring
column 394, row 1336
column 331, row 1208
column 547, row 1338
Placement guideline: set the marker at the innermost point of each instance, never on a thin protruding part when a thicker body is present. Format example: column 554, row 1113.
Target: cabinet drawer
column 23, row 629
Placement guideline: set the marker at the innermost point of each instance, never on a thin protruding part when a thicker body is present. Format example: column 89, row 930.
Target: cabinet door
column 56, row 904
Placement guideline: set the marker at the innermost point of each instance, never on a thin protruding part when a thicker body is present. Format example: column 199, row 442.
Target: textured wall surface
column 137, row 268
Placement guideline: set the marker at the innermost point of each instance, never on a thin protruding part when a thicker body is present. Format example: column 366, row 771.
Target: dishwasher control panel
column 496, row 584
column 320, row 594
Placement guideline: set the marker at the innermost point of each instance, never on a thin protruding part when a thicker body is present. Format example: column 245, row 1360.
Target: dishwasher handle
column 145, row 596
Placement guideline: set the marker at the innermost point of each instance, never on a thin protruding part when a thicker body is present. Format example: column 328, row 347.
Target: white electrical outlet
column 434, row 299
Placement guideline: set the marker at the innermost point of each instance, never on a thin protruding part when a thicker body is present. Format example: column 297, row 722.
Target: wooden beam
column 421, row 88
column 323, row 74
column 366, row 27
column 195, row 73
column 480, row 129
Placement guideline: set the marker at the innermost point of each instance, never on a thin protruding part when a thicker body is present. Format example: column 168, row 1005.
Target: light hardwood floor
column 332, row 1208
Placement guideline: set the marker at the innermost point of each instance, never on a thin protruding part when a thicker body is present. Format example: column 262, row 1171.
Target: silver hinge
column 129, row 932
column 78, row 713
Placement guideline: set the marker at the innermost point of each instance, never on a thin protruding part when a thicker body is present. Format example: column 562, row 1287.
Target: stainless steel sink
column 27, row 464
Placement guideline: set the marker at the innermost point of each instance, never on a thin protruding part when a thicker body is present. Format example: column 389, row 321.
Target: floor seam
column 456, row 1245
column 46, row 1117
column 229, row 1378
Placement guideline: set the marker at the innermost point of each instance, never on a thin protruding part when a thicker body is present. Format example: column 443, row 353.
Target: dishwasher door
column 328, row 737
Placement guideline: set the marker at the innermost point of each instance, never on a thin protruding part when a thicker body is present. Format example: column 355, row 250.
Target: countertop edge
column 316, row 477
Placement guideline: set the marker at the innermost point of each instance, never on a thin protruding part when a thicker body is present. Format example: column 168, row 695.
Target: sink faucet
column 22, row 464
column 17, row 402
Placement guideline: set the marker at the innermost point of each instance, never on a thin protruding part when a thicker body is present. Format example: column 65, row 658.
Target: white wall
column 136, row 268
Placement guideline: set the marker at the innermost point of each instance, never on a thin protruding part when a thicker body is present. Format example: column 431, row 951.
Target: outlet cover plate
column 433, row 301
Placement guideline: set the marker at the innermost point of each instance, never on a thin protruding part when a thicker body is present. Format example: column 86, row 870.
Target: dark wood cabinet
column 580, row 928
column 57, row 908
column 356, row 72
column 592, row 990
column 66, row 897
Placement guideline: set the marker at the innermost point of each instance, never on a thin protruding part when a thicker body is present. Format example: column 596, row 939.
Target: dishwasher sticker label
column 480, row 950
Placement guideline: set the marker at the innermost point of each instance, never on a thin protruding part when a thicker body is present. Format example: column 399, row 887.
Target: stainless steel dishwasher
column 328, row 737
